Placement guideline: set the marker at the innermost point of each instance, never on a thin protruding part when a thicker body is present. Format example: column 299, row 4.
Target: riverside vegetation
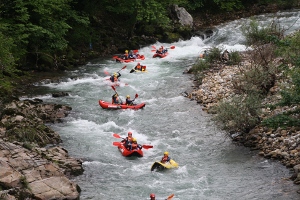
column 255, row 95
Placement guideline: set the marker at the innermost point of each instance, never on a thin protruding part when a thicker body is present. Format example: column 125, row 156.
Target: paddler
column 134, row 145
column 129, row 102
column 138, row 67
column 128, row 140
column 115, row 99
column 165, row 158
column 115, row 77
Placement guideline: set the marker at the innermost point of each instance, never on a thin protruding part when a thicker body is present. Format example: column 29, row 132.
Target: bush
column 283, row 120
column 259, row 36
column 198, row 68
column 239, row 114
column 234, row 58
column 214, row 55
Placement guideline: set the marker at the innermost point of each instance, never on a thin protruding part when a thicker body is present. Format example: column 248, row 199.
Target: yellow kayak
column 140, row 71
column 161, row 166
column 133, row 70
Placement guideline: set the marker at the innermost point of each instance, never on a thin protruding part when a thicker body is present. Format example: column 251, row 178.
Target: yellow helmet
column 115, row 74
column 126, row 51
column 127, row 96
column 133, row 139
column 166, row 153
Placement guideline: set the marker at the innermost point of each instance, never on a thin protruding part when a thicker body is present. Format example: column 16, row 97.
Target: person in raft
column 115, row 77
column 166, row 158
column 116, row 99
column 140, row 67
column 128, row 140
column 161, row 50
column 152, row 196
column 132, row 55
column 134, row 145
column 125, row 56
column 129, row 102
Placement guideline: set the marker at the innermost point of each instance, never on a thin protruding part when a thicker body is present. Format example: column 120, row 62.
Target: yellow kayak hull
column 162, row 166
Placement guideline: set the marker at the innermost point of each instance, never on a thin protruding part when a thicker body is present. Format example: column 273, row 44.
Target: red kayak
column 127, row 153
column 107, row 105
column 119, row 59
column 118, row 83
column 160, row 55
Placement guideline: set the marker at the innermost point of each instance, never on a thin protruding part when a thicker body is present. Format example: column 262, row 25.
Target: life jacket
column 115, row 79
column 138, row 67
column 165, row 159
column 129, row 139
column 111, row 78
column 115, row 100
column 129, row 102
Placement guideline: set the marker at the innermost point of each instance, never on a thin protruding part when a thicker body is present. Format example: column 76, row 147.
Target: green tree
column 39, row 28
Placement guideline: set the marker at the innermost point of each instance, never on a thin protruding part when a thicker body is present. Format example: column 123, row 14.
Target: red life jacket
column 129, row 139
column 164, row 159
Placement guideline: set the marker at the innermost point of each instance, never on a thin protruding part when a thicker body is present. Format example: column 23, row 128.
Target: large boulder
column 183, row 17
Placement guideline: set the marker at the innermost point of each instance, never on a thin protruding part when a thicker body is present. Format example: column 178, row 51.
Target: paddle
column 117, row 136
column 145, row 146
column 117, row 143
column 116, row 92
column 170, row 197
column 122, row 68
column 136, row 96
column 117, row 56
column 107, row 73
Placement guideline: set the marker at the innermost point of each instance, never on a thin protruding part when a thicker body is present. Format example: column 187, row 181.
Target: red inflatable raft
column 127, row 153
column 119, row 59
column 160, row 55
column 107, row 105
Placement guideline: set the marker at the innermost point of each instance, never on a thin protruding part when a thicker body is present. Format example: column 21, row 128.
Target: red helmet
column 139, row 63
column 129, row 133
column 152, row 195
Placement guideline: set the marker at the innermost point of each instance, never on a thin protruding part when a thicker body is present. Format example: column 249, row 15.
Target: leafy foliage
column 229, row 5
column 239, row 114
column 257, row 35
column 38, row 27
column 283, row 120
column 291, row 95
column 198, row 70
column 214, row 55
column 7, row 60
column 234, row 58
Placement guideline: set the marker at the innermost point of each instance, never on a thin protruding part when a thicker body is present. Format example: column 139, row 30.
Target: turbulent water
column 210, row 166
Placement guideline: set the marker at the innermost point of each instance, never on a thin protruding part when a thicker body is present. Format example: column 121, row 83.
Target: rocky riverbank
column 278, row 144
column 32, row 164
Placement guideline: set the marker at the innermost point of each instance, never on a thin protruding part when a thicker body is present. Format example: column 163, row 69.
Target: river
column 211, row 167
